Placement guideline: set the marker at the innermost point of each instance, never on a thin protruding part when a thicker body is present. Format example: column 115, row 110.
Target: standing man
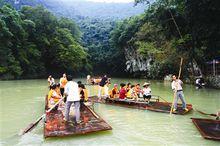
column 177, row 88
column 88, row 79
column 102, row 84
column 218, row 115
column 50, row 80
column 63, row 82
column 72, row 92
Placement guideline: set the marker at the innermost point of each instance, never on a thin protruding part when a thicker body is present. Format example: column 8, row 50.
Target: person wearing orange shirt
column 63, row 82
column 114, row 92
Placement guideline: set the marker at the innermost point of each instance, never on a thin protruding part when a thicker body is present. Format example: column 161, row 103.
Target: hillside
column 76, row 8
column 96, row 21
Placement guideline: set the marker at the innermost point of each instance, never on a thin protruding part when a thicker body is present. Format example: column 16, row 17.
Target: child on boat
column 122, row 92
column 114, row 92
column 146, row 92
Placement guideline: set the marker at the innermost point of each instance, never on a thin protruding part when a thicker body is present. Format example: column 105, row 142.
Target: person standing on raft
column 50, row 80
column 177, row 88
column 72, row 92
column 63, row 82
column 102, row 84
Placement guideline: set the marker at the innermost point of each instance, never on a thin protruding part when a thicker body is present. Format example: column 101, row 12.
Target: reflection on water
column 22, row 102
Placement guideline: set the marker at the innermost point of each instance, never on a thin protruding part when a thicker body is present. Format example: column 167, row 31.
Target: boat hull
column 155, row 106
column 208, row 128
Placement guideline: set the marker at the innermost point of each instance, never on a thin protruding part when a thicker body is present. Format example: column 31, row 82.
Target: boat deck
column 209, row 129
column 55, row 126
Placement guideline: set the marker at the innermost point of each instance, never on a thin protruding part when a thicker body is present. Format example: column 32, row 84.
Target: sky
column 107, row 1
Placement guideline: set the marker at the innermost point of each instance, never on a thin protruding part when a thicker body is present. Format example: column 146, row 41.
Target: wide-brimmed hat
column 146, row 84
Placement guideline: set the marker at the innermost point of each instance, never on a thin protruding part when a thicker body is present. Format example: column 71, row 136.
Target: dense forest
column 34, row 43
column 117, row 39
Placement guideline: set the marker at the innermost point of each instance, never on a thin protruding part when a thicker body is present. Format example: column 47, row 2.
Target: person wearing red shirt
column 122, row 92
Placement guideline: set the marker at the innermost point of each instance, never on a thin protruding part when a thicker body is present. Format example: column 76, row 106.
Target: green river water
column 22, row 102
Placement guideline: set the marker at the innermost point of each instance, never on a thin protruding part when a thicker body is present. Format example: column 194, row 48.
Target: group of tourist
column 73, row 93
column 127, row 91
column 130, row 91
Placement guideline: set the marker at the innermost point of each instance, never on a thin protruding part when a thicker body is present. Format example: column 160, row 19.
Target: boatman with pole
column 177, row 88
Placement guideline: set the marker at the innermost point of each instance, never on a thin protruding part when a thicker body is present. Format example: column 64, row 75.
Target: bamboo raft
column 156, row 105
column 55, row 126
column 208, row 128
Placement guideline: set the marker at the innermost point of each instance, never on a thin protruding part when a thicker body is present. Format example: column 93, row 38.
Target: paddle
column 92, row 112
column 214, row 115
column 174, row 95
column 31, row 126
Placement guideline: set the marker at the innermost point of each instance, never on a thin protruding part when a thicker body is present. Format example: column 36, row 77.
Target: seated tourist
column 146, row 92
column 53, row 95
column 138, row 90
column 114, row 92
column 122, row 92
column 128, row 87
column 131, row 94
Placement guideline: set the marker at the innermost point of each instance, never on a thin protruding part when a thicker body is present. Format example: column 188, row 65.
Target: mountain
column 76, row 8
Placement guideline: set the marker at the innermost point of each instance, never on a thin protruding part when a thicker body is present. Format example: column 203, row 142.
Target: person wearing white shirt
column 72, row 92
column 146, row 92
column 177, row 88
column 50, row 80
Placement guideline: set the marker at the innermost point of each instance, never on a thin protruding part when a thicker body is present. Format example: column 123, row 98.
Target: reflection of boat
column 55, row 126
column 209, row 129
column 156, row 106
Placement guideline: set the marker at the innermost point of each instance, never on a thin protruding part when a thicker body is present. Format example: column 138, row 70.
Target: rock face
column 136, row 63
column 195, row 69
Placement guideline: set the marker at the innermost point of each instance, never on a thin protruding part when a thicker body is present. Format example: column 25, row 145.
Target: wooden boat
column 55, row 126
column 156, row 105
column 209, row 128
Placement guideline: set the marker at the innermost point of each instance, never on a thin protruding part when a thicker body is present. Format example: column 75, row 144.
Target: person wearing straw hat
column 146, row 92
column 177, row 88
